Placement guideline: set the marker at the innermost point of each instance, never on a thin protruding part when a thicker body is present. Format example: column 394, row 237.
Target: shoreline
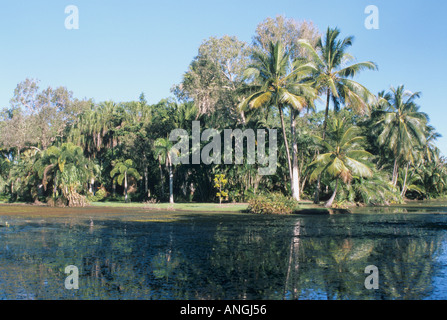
column 304, row 207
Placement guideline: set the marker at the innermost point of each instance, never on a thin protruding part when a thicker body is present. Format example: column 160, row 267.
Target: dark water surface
column 136, row 254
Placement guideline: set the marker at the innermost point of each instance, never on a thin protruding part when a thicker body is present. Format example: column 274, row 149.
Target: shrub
column 99, row 195
column 274, row 203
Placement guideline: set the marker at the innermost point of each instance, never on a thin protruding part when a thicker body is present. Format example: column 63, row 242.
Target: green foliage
column 219, row 183
column 55, row 147
column 98, row 196
column 273, row 203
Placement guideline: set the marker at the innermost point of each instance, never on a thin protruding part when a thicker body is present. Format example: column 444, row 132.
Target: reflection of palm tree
column 293, row 256
column 163, row 265
column 407, row 274
column 338, row 260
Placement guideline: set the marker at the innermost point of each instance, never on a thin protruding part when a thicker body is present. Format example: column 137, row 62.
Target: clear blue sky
column 123, row 48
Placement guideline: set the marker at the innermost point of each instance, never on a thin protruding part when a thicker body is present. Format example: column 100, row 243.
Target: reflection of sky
column 199, row 255
column 440, row 277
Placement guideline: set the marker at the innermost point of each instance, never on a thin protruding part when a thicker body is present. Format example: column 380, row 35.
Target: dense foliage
column 272, row 203
column 360, row 148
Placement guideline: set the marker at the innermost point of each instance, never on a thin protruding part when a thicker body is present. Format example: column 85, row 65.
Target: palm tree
column 67, row 169
column 280, row 83
column 163, row 149
column 333, row 74
column 402, row 128
column 120, row 173
column 333, row 77
column 344, row 157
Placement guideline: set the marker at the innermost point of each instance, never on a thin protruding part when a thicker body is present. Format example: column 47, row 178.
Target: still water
column 137, row 254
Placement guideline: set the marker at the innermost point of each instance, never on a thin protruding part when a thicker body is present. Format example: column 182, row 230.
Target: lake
column 139, row 254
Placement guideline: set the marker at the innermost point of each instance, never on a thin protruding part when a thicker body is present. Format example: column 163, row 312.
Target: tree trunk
column 404, row 187
column 289, row 162
column 125, row 187
column 171, row 183
column 395, row 173
column 55, row 188
column 326, row 112
column 146, row 182
column 326, row 115
column 92, row 186
column 295, row 172
column 293, row 256
column 161, row 177
column 331, row 200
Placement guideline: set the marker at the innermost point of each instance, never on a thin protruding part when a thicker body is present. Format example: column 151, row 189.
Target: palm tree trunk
column 171, row 185
column 146, row 182
column 161, row 177
column 92, row 185
column 326, row 115
column 55, row 188
column 326, row 112
column 404, row 187
column 289, row 162
column 295, row 172
column 125, row 186
column 331, row 200
column 395, row 172
column 293, row 255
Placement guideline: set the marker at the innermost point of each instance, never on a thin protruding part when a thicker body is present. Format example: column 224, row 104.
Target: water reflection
column 226, row 257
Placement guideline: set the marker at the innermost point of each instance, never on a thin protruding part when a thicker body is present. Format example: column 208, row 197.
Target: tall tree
column 402, row 127
column 343, row 158
column 333, row 76
column 67, row 170
column 213, row 78
column 163, row 149
column 121, row 172
column 288, row 31
column 278, row 82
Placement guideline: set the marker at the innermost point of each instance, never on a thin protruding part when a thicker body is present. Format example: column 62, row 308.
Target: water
column 135, row 254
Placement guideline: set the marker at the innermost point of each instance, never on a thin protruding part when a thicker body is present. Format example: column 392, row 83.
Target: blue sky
column 123, row 48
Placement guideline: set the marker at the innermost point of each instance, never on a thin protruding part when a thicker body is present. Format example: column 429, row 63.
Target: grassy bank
column 214, row 207
column 302, row 207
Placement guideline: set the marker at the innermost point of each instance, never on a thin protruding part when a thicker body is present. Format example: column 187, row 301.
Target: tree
column 401, row 127
column 333, row 77
column 67, row 170
column 344, row 156
column 288, row 31
column 163, row 149
column 122, row 171
column 280, row 83
column 213, row 78
column 46, row 113
column 219, row 183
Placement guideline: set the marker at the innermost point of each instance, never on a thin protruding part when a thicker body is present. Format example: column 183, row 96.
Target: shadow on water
column 224, row 256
